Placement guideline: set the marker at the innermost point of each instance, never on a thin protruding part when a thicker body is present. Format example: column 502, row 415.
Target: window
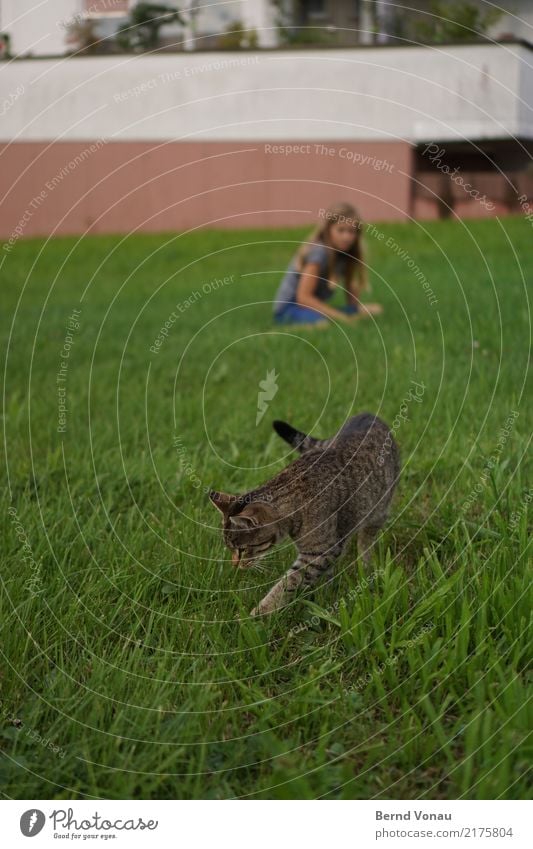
column 355, row 10
column 313, row 9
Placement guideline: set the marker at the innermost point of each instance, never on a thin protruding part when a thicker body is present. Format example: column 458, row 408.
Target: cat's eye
column 263, row 545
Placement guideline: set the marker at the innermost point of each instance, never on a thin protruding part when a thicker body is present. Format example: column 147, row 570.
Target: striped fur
column 338, row 487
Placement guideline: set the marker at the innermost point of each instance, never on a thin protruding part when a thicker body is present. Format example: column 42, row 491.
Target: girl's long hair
column 355, row 256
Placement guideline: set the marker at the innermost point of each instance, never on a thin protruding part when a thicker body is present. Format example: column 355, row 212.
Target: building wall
column 525, row 98
column 35, row 28
column 387, row 94
column 117, row 187
column 243, row 139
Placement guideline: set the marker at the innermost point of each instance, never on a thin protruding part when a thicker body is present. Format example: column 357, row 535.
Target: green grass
column 124, row 630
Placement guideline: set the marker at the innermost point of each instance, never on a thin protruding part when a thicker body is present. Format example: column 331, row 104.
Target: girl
column 332, row 256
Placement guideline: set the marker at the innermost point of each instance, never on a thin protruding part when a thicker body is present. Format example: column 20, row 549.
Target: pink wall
column 117, row 187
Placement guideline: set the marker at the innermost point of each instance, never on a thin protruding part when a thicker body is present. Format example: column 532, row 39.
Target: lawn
column 130, row 666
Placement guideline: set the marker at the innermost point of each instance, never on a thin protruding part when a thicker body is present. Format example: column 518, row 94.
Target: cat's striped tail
column 302, row 442
column 296, row 439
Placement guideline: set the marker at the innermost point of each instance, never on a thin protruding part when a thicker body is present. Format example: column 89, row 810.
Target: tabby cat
column 338, row 487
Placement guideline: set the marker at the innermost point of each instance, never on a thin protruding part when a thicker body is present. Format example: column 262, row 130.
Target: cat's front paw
column 261, row 609
column 276, row 598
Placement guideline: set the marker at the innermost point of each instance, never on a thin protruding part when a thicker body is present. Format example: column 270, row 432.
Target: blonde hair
column 346, row 214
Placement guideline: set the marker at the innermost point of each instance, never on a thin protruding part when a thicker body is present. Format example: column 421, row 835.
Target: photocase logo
column 268, row 388
column 32, row 822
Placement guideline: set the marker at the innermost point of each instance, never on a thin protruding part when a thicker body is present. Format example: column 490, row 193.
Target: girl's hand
column 366, row 310
column 347, row 318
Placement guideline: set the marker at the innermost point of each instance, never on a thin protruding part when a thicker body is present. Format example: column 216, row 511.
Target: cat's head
column 249, row 528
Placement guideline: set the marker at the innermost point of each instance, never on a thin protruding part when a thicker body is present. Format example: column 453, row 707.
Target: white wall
column 35, row 26
column 526, row 98
column 414, row 94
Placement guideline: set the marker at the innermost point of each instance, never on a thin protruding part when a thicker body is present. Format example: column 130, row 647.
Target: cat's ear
column 254, row 514
column 243, row 521
column 223, row 501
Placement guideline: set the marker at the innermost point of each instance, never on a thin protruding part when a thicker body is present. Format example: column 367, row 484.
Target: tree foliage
column 460, row 21
column 142, row 30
